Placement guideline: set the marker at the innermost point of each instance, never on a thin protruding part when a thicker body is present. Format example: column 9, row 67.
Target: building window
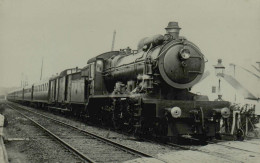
column 214, row 89
column 99, row 66
column 92, row 71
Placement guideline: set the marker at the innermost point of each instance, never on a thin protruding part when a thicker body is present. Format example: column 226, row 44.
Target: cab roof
column 103, row 56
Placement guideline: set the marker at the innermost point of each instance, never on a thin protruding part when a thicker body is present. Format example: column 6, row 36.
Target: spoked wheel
column 122, row 116
column 117, row 122
column 130, row 126
column 105, row 118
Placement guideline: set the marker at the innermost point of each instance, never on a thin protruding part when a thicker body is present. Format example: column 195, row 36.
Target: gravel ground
column 147, row 147
column 25, row 143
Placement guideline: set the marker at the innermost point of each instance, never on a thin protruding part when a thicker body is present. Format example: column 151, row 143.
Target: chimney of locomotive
column 173, row 30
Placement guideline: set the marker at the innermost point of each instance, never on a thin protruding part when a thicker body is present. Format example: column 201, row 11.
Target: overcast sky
column 66, row 33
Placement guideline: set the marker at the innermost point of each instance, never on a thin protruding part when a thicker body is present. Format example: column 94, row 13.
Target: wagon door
column 85, row 74
column 69, row 89
column 52, row 90
column 57, row 89
column 77, row 89
column 61, row 94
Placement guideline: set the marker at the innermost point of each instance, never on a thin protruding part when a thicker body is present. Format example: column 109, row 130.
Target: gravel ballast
column 26, row 143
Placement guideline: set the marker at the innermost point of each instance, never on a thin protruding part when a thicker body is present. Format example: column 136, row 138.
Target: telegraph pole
column 113, row 41
column 41, row 69
column 22, row 80
column 231, row 64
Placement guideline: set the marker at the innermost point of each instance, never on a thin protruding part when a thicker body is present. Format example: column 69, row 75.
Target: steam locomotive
column 144, row 91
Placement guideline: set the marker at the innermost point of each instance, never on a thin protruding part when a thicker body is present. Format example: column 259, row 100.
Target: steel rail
column 81, row 155
column 115, row 144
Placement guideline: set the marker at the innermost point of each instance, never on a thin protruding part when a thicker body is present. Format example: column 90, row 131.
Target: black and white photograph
column 129, row 81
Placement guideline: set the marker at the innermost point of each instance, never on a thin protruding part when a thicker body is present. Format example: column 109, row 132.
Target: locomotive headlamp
column 219, row 68
column 225, row 112
column 184, row 54
column 176, row 112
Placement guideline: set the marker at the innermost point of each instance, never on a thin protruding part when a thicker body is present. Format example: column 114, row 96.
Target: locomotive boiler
column 167, row 59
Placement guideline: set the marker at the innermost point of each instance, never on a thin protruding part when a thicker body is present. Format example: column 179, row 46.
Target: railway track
column 218, row 151
column 88, row 146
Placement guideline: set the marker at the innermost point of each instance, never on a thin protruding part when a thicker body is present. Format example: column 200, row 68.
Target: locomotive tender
column 144, row 91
